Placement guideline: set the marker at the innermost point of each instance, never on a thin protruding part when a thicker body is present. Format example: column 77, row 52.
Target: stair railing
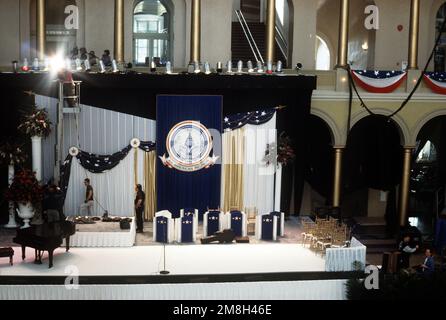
column 252, row 43
column 282, row 43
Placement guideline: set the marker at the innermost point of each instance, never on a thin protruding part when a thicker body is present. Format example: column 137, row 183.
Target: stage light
column 343, row 79
column 68, row 64
column 269, row 67
column 115, row 68
column 15, row 66
column 169, row 67
column 87, row 65
column 250, row 67
column 197, row 67
column 78, row 64
column 240, row 66
column 229, row 67
column 25, row 66
column 56, row 63
column 101, row 66
column 152, row 66
column 259, row 67
column 46, row 64
column 365, row 46
column 207, row 68
column 36, row 64
column 219, row 67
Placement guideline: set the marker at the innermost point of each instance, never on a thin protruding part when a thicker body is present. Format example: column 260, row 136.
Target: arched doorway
column 152, row 32
column 323, row 54
column 372, row 172
column 318, row 166
column 440, row 51
column 428, row 176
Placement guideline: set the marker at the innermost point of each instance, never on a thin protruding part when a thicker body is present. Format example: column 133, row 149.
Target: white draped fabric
column 259, row 177
column 344, row 259
column 296, row 290
column 114, row 190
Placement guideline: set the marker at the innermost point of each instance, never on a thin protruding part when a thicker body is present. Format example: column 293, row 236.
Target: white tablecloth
column 342, row 259
column 126, row 238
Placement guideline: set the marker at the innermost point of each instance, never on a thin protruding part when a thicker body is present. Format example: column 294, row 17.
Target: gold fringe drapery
column 150, row 185
column 233, row 159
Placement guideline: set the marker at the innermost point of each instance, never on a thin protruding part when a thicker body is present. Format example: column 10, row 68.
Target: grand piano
column 45, row 237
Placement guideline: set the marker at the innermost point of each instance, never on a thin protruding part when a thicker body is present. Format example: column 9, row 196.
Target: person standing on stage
column 139, row 208
column 89, row 198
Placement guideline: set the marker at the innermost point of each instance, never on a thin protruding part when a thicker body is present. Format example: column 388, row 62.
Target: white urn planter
column 26, row 212
column 12, row 224
column 36, row 143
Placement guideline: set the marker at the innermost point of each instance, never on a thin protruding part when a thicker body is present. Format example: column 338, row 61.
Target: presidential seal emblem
column 189, row 145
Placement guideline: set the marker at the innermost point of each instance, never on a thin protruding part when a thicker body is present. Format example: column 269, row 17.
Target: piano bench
column 7, row 252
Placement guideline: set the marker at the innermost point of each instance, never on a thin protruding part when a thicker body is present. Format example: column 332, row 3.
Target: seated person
column 106, row 58
column 428, row 266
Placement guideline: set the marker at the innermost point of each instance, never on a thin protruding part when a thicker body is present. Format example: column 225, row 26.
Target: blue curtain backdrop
column 176, row 189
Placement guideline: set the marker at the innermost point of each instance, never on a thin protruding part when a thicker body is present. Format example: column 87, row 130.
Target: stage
column 180, row 260
column 211, row 272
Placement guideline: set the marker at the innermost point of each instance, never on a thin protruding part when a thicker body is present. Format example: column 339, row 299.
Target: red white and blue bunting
column 436, row 81
column 379, row 81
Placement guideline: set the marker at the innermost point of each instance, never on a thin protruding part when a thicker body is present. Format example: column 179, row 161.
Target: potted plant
column 27, row 193
column 36, row 124
column 11, row 155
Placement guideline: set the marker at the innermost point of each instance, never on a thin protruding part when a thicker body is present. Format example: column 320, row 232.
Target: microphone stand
column 164, row 271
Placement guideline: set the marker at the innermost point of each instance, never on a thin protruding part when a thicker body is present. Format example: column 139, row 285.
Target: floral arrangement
column 25, row 188
column 36, row 123
column 285, row 152
column 11, row 153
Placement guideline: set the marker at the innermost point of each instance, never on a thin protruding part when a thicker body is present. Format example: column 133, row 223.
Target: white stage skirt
column 296, row 290
column 126, row 238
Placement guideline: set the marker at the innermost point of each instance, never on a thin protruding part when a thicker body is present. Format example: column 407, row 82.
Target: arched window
column 440, row 51
column 428, row 154
column 151, row 32
column 322, row 54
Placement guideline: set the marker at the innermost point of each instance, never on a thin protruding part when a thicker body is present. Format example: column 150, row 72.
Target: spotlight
column 250, row 67
column 240, row 66
column 298, row 66
column 207, row 68
column 279, row 67
column 87, row 65
column 229, row 66
column 259, row 67
column 152, row 66
column 56, row 64
column 197, row 67
column 25, row 66
column 101, row 66
column 15, row 66
column 169, row 67
column 68, row 64
column 219, row 67
column 36, row 65
column 115, row 68
column 78, row 64
column 269, row 67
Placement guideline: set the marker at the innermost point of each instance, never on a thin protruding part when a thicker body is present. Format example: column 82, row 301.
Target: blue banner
column 189, row 152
